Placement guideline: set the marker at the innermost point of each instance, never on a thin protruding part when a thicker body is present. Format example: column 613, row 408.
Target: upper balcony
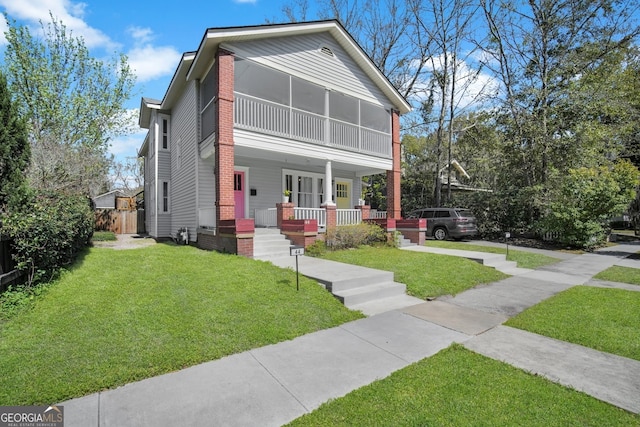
column 260, row 115
column 271, row 102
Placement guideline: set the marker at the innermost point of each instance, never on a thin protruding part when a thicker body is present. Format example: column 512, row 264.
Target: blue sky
column 152, row 34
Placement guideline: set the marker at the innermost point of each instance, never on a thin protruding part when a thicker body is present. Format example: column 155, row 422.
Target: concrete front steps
column 269, row 243
column 358, row 288
column 497, row 261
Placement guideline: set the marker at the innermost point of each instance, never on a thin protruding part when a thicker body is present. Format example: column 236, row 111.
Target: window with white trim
column 165, row 197
column 164, row 132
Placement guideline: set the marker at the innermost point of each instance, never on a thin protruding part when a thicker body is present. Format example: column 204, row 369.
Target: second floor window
column 165, row 134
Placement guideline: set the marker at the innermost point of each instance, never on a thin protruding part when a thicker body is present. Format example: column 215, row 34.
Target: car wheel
column 440, row 233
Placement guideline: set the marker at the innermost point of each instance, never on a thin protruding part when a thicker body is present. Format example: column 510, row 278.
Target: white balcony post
column 328, row 185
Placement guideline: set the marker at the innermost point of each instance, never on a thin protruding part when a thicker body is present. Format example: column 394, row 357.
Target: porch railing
column 348, row 216
column 269, row 217
column 266, row 217
column 318, row 214
column 376, row 214
column 264, row 116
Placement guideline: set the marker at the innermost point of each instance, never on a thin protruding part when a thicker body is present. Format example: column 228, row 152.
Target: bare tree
column 536, row 49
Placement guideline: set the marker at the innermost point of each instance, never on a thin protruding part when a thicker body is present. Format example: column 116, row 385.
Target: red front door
column 238, row 193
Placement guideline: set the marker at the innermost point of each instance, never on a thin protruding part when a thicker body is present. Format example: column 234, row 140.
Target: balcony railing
column 263, row 116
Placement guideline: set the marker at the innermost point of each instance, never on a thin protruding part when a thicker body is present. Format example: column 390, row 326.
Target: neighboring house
column 457, row 173
column 107, row 200
column 255, row 111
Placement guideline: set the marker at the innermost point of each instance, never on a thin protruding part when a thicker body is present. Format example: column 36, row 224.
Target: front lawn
column 524, row 259
column 457, row 387
column 601, row 318
column 620, row 274
column 121, row 316
column 426, row 275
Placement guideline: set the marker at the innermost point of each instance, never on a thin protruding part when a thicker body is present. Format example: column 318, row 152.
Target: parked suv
column 447, row 222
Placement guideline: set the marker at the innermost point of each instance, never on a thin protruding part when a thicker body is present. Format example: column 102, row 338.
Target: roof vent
column 327, row 51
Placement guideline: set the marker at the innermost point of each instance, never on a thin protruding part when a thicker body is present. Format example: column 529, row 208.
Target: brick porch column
column 365, row 211
column 394, row 175
column 332, row 215
column 285, row 211
column 224, row 155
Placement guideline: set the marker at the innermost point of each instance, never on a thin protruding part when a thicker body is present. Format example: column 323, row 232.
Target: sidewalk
column 273, row 385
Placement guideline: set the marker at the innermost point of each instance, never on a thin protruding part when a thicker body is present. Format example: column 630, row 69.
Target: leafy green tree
column 537, row 49
column 73, row 104
column 586, row 198
column 14, row 148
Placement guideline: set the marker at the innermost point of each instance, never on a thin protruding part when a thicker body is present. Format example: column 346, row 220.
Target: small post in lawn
column 506, row 240
column 296, row 250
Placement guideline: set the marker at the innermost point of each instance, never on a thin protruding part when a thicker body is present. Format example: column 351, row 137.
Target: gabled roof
column 213, row 37
column 193, row 65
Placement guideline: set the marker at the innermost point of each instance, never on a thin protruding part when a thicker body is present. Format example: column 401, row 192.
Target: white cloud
column 141, row 35
column 472, row 85
column 70, row 13
column 150, row 62
column 127, row 146
column 3, row 29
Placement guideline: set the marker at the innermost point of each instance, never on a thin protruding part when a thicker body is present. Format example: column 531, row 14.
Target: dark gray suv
column 447, row 222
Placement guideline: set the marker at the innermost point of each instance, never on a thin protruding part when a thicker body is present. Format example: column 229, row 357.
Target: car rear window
column 464, row 213
column 443, row 214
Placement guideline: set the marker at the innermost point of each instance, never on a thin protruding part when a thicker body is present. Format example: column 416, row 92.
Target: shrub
column 353, row 236
column 48, row 230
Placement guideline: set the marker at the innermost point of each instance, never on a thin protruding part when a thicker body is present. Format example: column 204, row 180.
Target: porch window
column 307, row 96
column 208, row 91
column 305, row 192
column 375, row 117
column 343, row 107
column 261, row 82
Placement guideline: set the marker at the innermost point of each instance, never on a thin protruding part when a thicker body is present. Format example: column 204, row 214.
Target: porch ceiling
column 306, row 162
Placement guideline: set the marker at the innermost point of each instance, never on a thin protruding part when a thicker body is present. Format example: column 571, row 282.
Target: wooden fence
column 120, row 222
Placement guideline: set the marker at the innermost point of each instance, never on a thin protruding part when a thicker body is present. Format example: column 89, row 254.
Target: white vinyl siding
column 184, row 122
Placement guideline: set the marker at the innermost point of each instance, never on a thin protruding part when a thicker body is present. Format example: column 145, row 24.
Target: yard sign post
column 296, row 250
column 506, row 240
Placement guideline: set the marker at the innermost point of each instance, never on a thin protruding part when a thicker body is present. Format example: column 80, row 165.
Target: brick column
column 332, row 215
column 285, row 212
column 394, row 175
column 365, row 210
column 224, row 155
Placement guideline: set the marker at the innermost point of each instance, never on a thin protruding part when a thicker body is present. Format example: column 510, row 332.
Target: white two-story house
column 258, row 111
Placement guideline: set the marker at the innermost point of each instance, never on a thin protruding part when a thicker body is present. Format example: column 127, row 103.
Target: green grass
column 121, row 316
column 104, row 236
column 601, row 318
column 457, row 387
column 523, row 258
column 426, row 275
column 620, row 274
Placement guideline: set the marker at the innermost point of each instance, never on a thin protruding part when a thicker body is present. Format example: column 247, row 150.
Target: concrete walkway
column 273, row 385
